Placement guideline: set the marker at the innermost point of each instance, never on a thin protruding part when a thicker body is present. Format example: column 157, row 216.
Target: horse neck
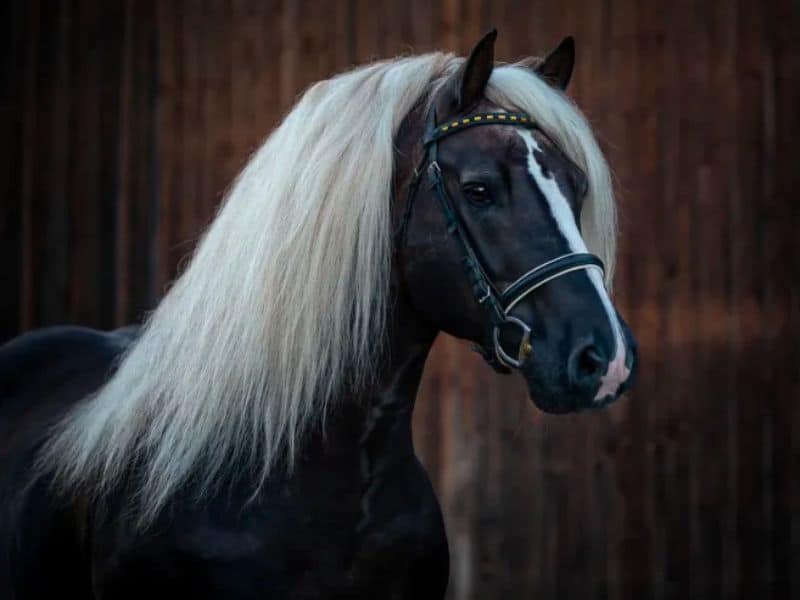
column 390, row 403
column 389, row 406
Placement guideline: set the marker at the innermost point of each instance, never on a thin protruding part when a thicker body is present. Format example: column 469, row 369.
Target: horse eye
column 477, row 193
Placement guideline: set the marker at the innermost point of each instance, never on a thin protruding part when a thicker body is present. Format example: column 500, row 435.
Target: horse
column 253, row 438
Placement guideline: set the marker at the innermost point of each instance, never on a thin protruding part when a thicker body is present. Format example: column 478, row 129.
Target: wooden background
column 123, row 122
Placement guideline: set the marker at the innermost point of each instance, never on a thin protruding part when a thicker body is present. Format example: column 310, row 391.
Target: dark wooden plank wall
column 123, row 122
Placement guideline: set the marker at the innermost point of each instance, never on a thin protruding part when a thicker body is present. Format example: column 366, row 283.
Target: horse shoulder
column 43, row 374
column 63, row 362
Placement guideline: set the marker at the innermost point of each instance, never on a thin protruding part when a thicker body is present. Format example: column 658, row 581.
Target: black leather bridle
column 497, row 304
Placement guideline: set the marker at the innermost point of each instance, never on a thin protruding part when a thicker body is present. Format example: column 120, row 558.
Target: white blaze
column 617, row 371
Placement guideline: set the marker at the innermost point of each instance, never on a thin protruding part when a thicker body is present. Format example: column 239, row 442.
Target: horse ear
column 475, row 72
column 466, row 85
column 556, row 68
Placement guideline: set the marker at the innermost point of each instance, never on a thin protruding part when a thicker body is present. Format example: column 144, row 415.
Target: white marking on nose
column 617, row 371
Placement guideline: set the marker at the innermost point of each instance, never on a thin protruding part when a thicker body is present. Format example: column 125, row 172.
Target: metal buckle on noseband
column 497, row 304
column 524, row 350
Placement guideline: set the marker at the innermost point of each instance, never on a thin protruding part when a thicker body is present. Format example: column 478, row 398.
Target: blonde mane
column 285, row 298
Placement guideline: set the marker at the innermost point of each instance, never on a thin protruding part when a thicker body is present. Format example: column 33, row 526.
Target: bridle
column 497, row 304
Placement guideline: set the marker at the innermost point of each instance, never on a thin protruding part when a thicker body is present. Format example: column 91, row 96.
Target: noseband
column 497, row 304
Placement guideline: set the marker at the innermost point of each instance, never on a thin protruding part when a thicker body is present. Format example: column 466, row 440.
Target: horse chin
column 552, row 397
column 555, row 400
column 552, row 401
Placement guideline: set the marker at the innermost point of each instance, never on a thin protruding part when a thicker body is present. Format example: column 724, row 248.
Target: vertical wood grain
column 138, row 156
column 15, row 81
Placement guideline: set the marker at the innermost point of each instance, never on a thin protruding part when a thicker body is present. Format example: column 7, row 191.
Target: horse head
column 492, row 247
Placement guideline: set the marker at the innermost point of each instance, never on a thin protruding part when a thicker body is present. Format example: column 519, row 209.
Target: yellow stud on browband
column 515, row 119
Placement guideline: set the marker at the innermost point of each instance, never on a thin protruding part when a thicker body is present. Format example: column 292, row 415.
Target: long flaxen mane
column 285, row 299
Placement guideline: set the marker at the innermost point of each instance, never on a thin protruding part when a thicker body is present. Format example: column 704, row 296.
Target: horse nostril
column 587, row 365
column 591, row 363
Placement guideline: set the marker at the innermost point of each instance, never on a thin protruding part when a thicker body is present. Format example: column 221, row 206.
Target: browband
column 491, row 118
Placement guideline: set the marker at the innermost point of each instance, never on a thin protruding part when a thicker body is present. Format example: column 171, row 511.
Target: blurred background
column 122, row 123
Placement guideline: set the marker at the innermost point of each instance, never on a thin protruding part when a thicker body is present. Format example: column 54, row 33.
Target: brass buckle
column 524, row 350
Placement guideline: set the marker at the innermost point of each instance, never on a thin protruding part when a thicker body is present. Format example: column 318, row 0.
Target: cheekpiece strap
column 460, row 123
